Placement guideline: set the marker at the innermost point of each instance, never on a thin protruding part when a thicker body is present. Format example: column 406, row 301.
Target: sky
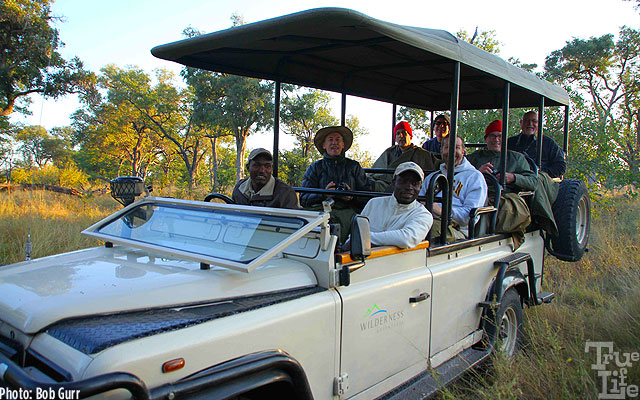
column 122, row 32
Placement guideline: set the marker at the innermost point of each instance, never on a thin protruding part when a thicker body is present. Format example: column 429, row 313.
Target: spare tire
column 572, row 212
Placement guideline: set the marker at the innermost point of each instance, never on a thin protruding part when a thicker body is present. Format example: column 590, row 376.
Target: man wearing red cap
column 402, row 151
column 518, row 176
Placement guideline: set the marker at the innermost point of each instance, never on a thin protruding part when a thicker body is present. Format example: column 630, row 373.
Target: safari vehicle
column 209, row 300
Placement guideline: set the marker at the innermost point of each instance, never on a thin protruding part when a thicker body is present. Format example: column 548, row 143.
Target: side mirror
column 360, row 238
column 360, row 247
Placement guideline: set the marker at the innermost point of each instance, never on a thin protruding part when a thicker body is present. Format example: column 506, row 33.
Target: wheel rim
column 582, row 220
column 509, row 332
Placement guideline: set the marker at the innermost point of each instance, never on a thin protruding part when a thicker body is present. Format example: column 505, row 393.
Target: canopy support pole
column 540, row 122
column 431, row 125
column 393, row 123
column 505, row 130
column 343, row 110
column 276, row 129
column 565, row 142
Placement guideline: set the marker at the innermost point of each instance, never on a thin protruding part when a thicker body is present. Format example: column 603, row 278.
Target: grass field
column 597, row 299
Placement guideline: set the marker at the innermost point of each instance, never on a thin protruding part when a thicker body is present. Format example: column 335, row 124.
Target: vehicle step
column 429, row 382
column 489, row 304
column 513, row 259
column 546, row 297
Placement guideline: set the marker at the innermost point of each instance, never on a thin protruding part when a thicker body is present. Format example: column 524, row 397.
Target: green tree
column 303, row 113
column 486, row 40
column 39, row 147
column 29, row 58
column 236, row 104
column 604, row 72
column 115, row 128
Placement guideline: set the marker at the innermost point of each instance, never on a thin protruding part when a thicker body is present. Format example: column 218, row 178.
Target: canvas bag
column 513, row 217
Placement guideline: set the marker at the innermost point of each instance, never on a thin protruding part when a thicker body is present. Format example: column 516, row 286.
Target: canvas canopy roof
column 346, row 51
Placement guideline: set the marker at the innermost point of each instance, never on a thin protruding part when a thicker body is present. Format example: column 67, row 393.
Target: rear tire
column 572, row 212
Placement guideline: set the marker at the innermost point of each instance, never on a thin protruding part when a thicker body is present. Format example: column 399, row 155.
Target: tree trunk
column 214, row 164
column 241, row 140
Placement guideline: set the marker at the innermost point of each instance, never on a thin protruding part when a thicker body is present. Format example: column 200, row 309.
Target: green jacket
column 525, row 178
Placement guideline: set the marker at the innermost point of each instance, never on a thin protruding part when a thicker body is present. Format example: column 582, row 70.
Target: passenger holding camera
column 335, row 172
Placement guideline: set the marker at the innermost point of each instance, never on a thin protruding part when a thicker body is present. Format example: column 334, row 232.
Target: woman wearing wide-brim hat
column 335, row 171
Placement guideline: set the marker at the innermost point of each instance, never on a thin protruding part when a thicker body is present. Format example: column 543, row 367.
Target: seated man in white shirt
column 400, row 220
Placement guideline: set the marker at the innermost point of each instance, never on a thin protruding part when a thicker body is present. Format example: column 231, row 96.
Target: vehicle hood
column 35, row 294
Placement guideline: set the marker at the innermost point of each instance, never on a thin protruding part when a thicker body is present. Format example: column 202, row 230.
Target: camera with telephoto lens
column 342, row 186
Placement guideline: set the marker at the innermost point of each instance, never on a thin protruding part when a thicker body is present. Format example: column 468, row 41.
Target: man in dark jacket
column 553, row 161
column 261, row 188
column 335, row 171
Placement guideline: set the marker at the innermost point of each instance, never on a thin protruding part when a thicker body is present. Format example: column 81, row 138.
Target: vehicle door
column 385, row 318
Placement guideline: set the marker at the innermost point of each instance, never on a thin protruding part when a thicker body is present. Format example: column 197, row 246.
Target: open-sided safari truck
column 208, row 300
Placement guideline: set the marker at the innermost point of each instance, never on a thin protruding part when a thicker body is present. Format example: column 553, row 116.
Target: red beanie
column 403, row 125
column 495, row 126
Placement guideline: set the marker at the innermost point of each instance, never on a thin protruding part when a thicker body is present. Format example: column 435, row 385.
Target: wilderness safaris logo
column 380, row 319
column 612, row 367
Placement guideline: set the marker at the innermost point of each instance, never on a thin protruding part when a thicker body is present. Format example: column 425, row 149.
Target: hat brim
column 347, row 137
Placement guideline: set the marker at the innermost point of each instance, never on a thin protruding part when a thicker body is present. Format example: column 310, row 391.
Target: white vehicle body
column 368, row 331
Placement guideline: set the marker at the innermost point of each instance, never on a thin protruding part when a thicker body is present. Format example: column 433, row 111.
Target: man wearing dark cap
column 402, row 151
column 400, row 220
column 440, row 128
column 261, row 188
column 335, row 171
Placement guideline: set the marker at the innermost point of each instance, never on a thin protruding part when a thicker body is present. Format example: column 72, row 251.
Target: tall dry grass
column 597, row 300
column 53, row 220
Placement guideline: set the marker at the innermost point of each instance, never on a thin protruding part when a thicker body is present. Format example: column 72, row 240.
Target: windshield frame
column 311, row 219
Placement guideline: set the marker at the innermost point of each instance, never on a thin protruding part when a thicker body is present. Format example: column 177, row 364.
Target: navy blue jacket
column 553, row 161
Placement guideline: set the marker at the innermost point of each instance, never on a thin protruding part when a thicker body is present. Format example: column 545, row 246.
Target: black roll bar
column 441, row 180
column 338, row 193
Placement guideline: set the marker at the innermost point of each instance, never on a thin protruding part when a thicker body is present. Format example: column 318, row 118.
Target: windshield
column 233, row 236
